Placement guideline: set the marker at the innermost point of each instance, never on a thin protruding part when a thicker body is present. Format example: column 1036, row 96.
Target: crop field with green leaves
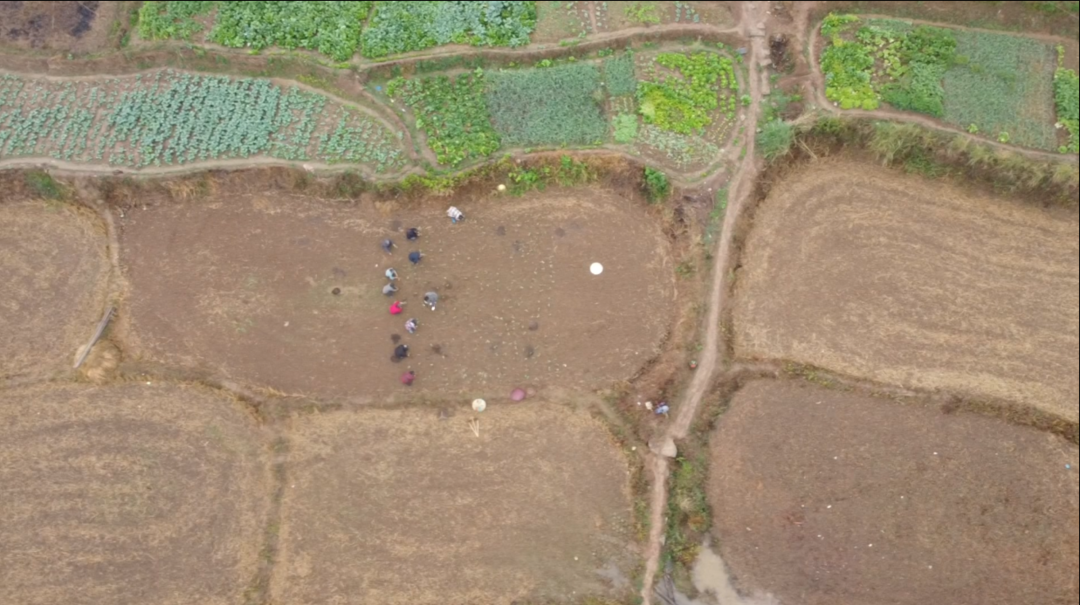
column 169, row 118
column 556, row 106
column 1067, row 102
column 339, row 29
column 399, row 27
column 453, row 112
column 997, row 85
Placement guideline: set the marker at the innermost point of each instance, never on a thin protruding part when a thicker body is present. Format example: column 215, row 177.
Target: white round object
column 502, row 187
column 596, row 268
column 479, row 405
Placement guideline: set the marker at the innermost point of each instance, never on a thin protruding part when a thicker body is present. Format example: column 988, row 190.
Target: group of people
column 401, row 351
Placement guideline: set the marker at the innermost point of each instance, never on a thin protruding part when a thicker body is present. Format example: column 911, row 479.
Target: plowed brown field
column 285, row 291
column 53, row 271
column 914, row 283
column 128, row 495
column 822, row 498
column 398, row 507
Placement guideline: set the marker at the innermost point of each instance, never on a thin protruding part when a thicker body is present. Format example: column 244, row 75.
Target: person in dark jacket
column 412, row 234
column 401, row 351
column 414, row 257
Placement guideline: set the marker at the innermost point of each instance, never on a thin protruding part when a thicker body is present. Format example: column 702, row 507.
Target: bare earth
column 129, row 495
column 53, row 271
column 398, row 507
column 822, row 497
column 243, row 284
column 57, row 25
column 918, row 284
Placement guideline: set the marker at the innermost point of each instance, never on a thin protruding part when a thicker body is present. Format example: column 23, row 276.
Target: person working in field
column 431, row 299
column 455, row 215
column 412, row 234
column 389, row 290
column 410, row 326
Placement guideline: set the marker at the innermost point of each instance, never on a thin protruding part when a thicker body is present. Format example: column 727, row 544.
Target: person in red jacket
column 408, row 377
column 396, row 308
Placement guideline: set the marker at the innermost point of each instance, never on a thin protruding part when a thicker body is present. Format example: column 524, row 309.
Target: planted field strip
column 130, row 494
column 823, row 497
column 676, row 109
column 890, row 277
column 168, row 118
column 997, row 85
column 339, row 29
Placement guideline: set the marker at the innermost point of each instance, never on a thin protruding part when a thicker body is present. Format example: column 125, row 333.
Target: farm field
column 400, row 507
column 284, row 290
column 769, row 305
column 165, row 118
column 824, row 497
column 1000, row 86
column 53, row 267
column 677, row 108
column 340, row 30
column 569, row 21
column 912, row 283
column 129, row 494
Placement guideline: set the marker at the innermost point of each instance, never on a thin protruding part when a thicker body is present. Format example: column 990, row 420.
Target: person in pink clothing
column 395, row 309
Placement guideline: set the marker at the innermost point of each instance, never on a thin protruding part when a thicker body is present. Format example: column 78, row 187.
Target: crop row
column 337, row 29
column 169, row 118
column 995, row 84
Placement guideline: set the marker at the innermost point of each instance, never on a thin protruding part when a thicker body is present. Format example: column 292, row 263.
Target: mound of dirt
column 128, row 495
column 400, row 507
column 822, row 497
column 905, row 281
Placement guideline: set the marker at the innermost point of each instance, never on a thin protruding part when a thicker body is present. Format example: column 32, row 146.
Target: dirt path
column 740, row 189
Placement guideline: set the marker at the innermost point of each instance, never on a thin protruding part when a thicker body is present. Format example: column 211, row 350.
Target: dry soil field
column 67, row 26
column 822, row 497
column 402, row 507
column 903, row 281
column 53, row 270
column 129, row 495
column 283, row 290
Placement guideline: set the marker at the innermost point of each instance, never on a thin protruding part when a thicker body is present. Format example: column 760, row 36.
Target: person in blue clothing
column 414, row 257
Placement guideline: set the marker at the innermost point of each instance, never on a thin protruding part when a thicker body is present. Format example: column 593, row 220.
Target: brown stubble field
column 823, row 497
column 129, row 495
column 54, row 270
column 922, row 285
column 280, row 289
column 407, row 507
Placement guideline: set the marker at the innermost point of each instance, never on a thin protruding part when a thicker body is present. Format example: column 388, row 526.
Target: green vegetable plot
column 453, row 113
column 332, row 28
column 550, row 106
column 399, row 27
column 682, row 99
column 172, row 19
column 1003, row 85
column 1067, row 101
column 169, row 118
column 995, row 84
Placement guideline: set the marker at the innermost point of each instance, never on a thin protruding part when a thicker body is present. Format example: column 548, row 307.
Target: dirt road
column 739, row 190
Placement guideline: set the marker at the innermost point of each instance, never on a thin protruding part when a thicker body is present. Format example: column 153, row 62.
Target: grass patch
column 44, row 185
column 775, row 139
column 657, row 186
column 556, row 106
column 568, row 172
column 453, row 113
column 689, row 515
column 399, row 27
